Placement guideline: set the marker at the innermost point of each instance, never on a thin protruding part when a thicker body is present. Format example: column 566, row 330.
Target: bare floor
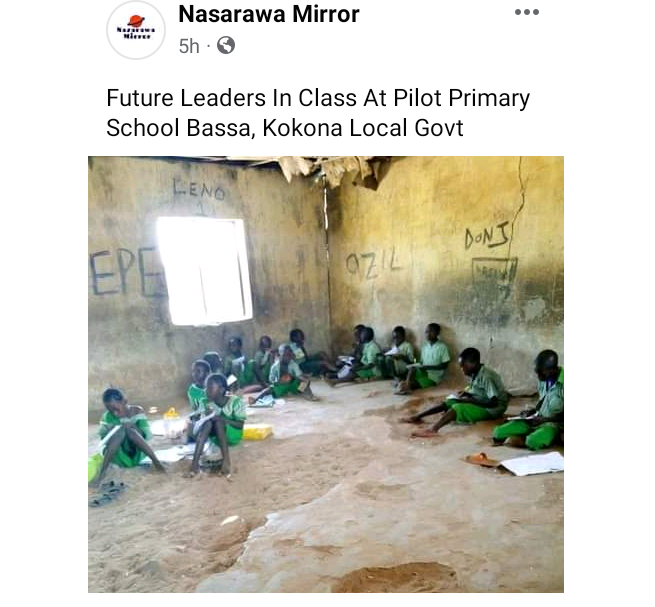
column 339, row 500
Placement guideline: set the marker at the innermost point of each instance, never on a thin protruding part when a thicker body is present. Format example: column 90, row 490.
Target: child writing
column 541, row 425
column 222, row 422
column 484, row 398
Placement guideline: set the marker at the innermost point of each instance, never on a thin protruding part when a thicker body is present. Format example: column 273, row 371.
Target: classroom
column 414, row 310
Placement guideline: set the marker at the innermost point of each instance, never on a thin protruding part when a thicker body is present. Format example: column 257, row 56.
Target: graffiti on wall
column 491, row 237
column 494, row 274
column 370, row 265
column 111, row 271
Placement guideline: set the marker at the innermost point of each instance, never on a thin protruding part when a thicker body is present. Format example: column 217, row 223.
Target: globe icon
column 225, row 45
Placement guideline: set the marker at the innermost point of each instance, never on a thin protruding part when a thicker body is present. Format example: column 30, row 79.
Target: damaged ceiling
column 362, row 170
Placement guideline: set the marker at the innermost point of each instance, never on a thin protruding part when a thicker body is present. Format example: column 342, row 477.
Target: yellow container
column 171, row 414
column 257, row 431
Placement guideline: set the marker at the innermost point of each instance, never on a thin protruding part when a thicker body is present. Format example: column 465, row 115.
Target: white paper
column 535, row 464
column 391, row 352
column 231, row 380
column 414, row 365
column 344, row 371
column 347, row 359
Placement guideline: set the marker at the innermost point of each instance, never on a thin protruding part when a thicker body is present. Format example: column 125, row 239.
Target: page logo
column 136, row 30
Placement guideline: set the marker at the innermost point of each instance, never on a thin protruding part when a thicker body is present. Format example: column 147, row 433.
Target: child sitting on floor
column 129, row 429
column 434, row 362
column 403, row 355
column 286, row 377
column 222, row 422
column 237, row 364
column 484, row 398
column 200, row 370
column 367, row 368
column 544, row 423
column 314, row 364
column 264, row 357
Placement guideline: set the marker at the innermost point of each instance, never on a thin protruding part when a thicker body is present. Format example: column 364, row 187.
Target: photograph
column 320, row 374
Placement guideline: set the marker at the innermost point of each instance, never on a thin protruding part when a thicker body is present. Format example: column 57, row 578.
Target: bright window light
column 206, row 269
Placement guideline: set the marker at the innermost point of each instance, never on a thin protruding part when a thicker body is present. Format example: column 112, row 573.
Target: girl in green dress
column 129, row 431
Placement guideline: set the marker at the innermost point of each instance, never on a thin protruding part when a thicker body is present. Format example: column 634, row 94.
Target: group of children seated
column 219, row 386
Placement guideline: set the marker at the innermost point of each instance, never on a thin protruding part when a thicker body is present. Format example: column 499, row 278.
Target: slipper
column 112, row 487
column 423, row 434
column 481, row 459
column 101, row 500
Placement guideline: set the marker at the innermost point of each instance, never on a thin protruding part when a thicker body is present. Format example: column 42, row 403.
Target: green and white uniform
column 287, row 387
column 551, row 404
column 486, row 385
column 127, row 455
column 243, row 371
column 396, row 367
column 370, row 352
column 197, row 398
column 264, row 362
column 432, row 354
column 234, row 409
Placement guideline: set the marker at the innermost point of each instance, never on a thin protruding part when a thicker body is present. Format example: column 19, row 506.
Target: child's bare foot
column 159, row 468
column 251, row 400
column 424, row 434
column 226, row 469
column 191, row 473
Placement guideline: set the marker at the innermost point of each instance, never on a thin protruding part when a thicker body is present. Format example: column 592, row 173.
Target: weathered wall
column 132, row 343
column 476, row 244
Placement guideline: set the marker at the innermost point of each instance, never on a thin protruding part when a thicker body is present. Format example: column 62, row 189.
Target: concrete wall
column 132, row 343
column 475, row 244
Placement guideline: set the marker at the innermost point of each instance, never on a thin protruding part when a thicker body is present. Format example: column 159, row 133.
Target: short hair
column 201, row 362
column 263, row 337
column 217, row 378
column 470, row 355
column 282, row 348
column 369, row 334
column 358, row 328
column 214, row 360
column 399, row 329
column 294, row 333
column 547, row 360
column 111, row 394
column 436, row 326
column 237, row 340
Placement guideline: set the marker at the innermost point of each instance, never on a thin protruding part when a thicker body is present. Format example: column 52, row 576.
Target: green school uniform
column 264, row 362
column 396, row 367
column 484, row 386
column 435, row 354
column 197, row 398
column 279, row 388
column 370, row 352
column 551, row 404
column 127, row 456
column 244, row 372
column 235, row 410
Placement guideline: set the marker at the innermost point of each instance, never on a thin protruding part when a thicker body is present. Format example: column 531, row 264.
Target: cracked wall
column 132, row 343
column 474, row 243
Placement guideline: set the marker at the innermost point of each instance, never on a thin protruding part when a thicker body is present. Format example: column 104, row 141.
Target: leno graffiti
column 494, row 236
column 197, row 189
column 369, row 265
column 111, row 271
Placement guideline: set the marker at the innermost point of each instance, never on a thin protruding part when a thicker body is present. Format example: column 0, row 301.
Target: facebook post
column 325, row 294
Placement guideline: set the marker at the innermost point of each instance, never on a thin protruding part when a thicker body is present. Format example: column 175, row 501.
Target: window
column 206, row 269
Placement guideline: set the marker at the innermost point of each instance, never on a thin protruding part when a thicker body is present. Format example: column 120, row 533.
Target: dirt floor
column 339, row 500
